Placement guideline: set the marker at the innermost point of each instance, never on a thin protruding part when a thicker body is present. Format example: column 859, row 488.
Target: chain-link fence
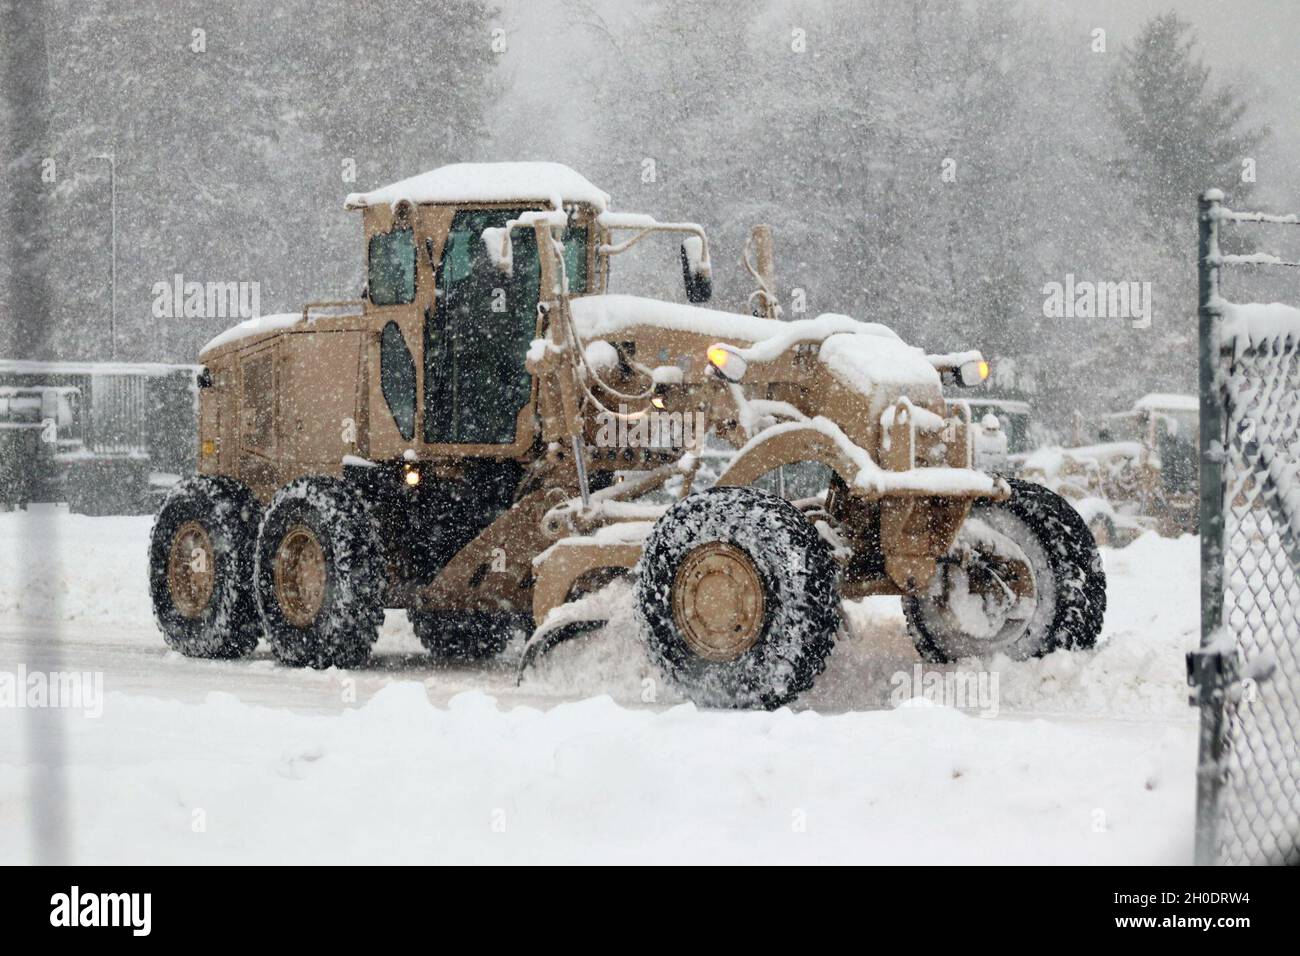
column 1247, row 671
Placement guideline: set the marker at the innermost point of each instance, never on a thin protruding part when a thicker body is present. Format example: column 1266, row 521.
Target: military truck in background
column 106, row 437
column 1131, row 471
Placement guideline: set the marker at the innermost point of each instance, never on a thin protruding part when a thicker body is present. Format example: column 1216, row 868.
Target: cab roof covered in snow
column 551, row 183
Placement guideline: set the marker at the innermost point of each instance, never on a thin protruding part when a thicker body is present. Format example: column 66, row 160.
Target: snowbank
column 60, row 566
column 91, row 573
column 1136, row 671
column 399, row 780
column 1090, row 757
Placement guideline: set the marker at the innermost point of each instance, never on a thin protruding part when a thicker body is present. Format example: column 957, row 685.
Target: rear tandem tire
column 200, row 563
column 320, row 574
column 738, row 596
column 463, row 636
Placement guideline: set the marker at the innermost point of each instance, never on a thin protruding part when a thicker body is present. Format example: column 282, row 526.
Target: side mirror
column 696, row 273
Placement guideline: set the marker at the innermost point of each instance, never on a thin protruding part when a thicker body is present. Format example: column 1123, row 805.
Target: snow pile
column 816, row 330
column 1136, row 671
column 399, row 780
column 91, row 575
column 600, row 316
column 873, row 364
column 408, row 761
column 60, row 566
column 551, row 183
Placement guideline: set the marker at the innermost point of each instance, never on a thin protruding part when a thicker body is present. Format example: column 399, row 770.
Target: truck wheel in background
column 737, row 594
column 454, row 636
column 320, row 574
column 200, row 565
column 977, row 605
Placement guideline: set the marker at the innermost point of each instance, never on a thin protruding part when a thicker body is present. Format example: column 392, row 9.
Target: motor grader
column 489, row 437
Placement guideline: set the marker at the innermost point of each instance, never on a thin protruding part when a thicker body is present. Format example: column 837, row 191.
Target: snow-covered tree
column 1181, row 131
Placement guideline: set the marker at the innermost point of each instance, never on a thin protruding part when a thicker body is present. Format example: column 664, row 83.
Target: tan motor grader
column 487, row 437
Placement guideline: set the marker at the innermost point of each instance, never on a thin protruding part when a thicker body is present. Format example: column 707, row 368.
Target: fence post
column 1206, row 666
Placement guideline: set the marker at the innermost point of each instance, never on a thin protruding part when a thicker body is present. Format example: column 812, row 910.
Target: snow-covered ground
column 1084, row 757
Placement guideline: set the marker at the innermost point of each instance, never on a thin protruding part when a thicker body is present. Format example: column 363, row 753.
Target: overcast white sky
column 1257, row 40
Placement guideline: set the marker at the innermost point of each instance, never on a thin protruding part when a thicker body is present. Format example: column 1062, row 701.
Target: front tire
column 320, row 574
column 200, row 563
column 738, row 596
column 1069, row 592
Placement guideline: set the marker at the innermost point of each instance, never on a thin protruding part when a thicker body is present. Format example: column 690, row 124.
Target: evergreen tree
column 1181, row 133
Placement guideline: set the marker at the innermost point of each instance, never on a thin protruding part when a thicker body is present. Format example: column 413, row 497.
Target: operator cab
column 485, row 316
column 461, row 310
column 453, row 265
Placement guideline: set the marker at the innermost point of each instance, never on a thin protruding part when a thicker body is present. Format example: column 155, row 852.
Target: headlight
column 727, row 362
column 973, row 373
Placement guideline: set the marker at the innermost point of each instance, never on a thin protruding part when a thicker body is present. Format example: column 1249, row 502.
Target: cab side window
column 397, row 378
column 391, row 276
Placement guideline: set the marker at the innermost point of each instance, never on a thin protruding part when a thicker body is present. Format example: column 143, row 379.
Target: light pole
column 112, row 308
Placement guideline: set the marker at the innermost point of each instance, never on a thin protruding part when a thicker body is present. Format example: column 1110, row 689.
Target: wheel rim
column 299, row 573
column 718, row 601
column 1010, row 595
column 190, row 572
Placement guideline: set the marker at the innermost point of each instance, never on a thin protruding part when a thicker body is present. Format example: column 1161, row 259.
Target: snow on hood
column 551, row 183
column 862, row 355
column 597, row 316
column 869, row 364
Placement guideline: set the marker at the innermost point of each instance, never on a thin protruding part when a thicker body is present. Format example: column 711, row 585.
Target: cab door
column 476, row 388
